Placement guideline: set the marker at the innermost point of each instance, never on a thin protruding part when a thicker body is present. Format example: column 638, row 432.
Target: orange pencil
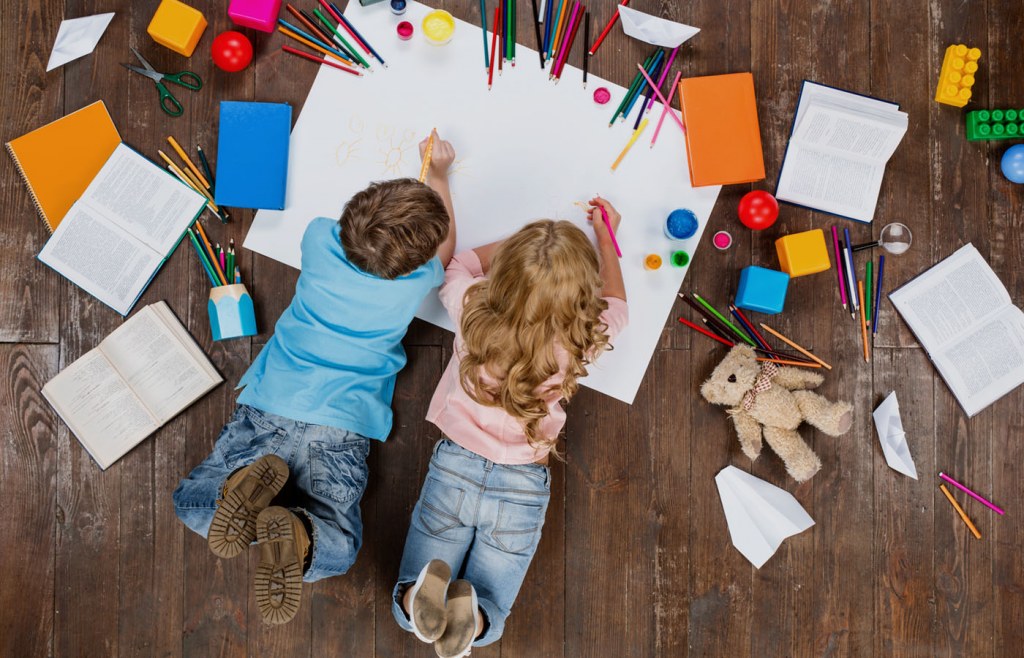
column 784, row 362
column 559, row 28
column 181, row 154
column 794, row 346
column 213, row 258
column 312, row 45
column 960, row 511
column 863, row 320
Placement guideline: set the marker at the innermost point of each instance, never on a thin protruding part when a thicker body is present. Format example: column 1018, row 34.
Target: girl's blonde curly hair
column 543, row 290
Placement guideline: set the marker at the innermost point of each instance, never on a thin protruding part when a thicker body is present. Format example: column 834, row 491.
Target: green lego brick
column 995, row 124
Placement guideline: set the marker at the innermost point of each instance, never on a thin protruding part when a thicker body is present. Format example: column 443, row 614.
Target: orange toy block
column 177, row 26
column 804, row 253
column 957, row 77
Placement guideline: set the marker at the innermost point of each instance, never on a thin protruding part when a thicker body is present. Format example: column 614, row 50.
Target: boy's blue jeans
column 484, row 520
column 326, row 481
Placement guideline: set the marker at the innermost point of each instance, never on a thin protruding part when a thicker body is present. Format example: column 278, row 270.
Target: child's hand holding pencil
column 605, row 219
column 437, row 155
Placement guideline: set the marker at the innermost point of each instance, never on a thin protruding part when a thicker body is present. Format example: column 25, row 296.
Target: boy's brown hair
column 393, row 227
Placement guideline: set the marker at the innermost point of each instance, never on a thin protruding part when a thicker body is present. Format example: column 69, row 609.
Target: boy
column 322, row 388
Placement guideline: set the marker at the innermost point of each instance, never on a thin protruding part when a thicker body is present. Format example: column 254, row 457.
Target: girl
column 548, row 306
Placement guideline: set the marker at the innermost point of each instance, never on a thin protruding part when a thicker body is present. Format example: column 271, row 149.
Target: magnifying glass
column 895, row 238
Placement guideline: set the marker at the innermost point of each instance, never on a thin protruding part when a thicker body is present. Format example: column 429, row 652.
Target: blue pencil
column 547, row 28
column 551, row 45
column 747, row 329
column 315, row 40
column 654, row 74
column 483, row 33
column 639, row 90
column 364, row 41
column 878, row 294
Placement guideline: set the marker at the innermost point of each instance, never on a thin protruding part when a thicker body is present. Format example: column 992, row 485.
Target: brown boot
column 246, row 493
column 283, row 545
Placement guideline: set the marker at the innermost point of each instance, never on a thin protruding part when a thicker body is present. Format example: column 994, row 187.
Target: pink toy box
column 258, row 14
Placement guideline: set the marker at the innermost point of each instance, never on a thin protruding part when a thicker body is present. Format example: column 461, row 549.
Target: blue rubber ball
column 1013, row 163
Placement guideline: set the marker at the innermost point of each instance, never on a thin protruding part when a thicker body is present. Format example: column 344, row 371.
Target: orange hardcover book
column 59, row 160
column 723, row 138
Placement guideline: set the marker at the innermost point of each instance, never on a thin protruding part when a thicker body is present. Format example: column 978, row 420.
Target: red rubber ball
column 231, row 51
column 758, row 210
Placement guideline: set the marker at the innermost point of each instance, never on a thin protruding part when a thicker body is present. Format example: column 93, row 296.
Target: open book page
column 144, row 200
column 833, row 183
column 162, row 371
column 100, row 258
column 987, row 363
column 99, row 408
column 831, row 127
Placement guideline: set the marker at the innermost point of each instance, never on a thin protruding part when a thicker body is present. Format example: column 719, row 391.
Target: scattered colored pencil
column 721, row 318
column 658, row 58
column 666, row 110
column 794, row 346
column 637, row 79
column 663, row 77
column 574, row 27
column 851, row 275
column 750, row 324
column 494, row 45
column 960, row 511
column 348, row 47
column 629, row 144
column 230, row 273
column 611, row 232
column 863, row 320
column 746, row 328
column 206, row 166
column 483, row 30
column 513, row 39
column 984, row 501
column 188, row 161
column 839, row 267
column 209, row 252
column 784, row 362
column 705, row 332
column 313, row 43
column 878, row 294
column 320, row 60
column 868, row 290
column 645, row 92
column 547, row 29
column 363, row 43
column 607, row 28
column 536, row 31
column 202, row 257
column 661, row 98
column 310, row 21
column 710, row 320
column 586, row 40
column 316, row 34
column 556, row 39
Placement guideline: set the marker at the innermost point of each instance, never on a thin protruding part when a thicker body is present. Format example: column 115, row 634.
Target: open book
column 837, row 153
column 965, row 320
column 136, row 380
column 118, row 234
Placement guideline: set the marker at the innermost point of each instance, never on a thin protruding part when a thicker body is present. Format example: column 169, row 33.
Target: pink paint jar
column 404, row 30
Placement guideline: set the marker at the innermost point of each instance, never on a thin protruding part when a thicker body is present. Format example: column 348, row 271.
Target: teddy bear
column 769, row 400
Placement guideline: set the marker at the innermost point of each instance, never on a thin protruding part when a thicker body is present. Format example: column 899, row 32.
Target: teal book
column 252, row 154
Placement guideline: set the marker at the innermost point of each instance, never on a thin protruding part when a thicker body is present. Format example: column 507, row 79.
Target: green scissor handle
column 186, row 79
column 168, row 103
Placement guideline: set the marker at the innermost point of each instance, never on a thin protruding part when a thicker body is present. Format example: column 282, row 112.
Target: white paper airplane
column 889, row 426
column 760, row 515
column 77, row 37
column 653, row 29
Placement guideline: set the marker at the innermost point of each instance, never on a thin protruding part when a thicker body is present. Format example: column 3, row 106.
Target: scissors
column 168, row 103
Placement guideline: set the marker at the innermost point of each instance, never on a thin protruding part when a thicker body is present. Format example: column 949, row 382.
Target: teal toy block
column 995, row 124
column 762, row 290
column 231, row 312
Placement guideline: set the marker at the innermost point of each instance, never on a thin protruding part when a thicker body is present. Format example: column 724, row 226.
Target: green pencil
column 867, row 293
column 352, row 51
column 202, row 258
column 711, row 309
column 206, row 166
column 231, row 266
column 632, row 87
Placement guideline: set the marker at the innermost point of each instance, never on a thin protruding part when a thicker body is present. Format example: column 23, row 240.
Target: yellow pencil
column 863, row 320
column 181, row 154
column 187, row 180
column 794, row 345
column 960, row 511
column 426, row 156
column 629, row 144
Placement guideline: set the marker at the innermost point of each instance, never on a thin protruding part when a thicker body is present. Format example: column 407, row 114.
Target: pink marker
column 839, row 267
column 970, row 493
column 611, row 233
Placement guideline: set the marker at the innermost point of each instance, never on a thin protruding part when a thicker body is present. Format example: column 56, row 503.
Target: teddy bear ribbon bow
column 762, row 383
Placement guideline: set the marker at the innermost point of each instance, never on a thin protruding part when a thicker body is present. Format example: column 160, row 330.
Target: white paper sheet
column 889, row 426
column 654, row 30
column 76, row 38
column 525, row 150
column 759, row 514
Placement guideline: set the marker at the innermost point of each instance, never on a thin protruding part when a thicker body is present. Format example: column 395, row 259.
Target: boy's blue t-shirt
column 337, row 348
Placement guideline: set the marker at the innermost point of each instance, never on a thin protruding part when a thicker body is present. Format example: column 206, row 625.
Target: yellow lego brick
column 177, row 26
column 804, row 253
column 959, row 65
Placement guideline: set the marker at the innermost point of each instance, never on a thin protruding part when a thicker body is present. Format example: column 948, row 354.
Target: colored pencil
column 317, row 33
column 206, row 166
column 784, row 362
column 586, row 40
column 645, row 92
column 664, row 76
column 839, row 269
column 342, row 23
column 745, row 327
column 188, row 161
column 320, row 60
column 222, row 259
column 984, row 501
column 705, row 332
column 188, row 180
column 211, row 257
column 863, row 320
column 794, row 346
column 231, row 261
column 515, row 32
column 878, row 294
column 851, row 275
column 868, row 290
column 718, row 330
column 547, row 28
column 536, row 29
column 607, row 28
column 238, row 275
column 750, row 324
column 352, row 51
column 865, row 245
column 501, row 33
column 629, row 144
column 318, row 30
column 960, row 511
column 664, row 101
column 721, row 318
column 483, row 31
column 556, row 38
column 202, row 258
column 611, row 233
column 658, row 57
column 632, row 86
column 426, row 156
column 351, row 29
column 494, row 45
column 708, row 319
column 666, row 110
column 313, row 43
column 574, row 27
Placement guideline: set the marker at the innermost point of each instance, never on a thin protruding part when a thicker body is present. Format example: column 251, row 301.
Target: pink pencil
column 660, row 97
column 611, row 233
column 970, row 493
column 664, row 74
column 839, row 268
column 666, row 109
column 566, row 43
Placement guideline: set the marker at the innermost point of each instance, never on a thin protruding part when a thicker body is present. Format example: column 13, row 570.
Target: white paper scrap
column 76, row 38
column 889, row 426
column 653, row 29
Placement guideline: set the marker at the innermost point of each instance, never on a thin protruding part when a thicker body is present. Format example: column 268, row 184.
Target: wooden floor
column 635, row 559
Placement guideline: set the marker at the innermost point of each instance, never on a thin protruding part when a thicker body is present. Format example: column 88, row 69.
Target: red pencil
column 751, row 325
column 494, row 44
column 607, row 28
column 313, row 58
column 574, row 27
column 705, row 332
column 342, row 23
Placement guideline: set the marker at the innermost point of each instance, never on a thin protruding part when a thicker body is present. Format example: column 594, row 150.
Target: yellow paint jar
column 438, row 27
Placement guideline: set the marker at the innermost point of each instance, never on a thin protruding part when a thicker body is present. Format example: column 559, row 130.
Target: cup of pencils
column 230, row 306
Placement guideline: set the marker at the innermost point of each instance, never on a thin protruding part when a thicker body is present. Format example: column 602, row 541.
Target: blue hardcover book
column 252, row 154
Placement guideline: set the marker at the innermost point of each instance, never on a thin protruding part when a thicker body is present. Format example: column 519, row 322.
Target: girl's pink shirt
column 490, row 431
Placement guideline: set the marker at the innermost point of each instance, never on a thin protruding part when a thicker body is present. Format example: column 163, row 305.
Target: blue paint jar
column 681, row 224
column 398, row 7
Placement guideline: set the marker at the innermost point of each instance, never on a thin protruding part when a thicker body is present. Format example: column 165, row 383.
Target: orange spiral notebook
column 723, row 138
column 59, row 160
